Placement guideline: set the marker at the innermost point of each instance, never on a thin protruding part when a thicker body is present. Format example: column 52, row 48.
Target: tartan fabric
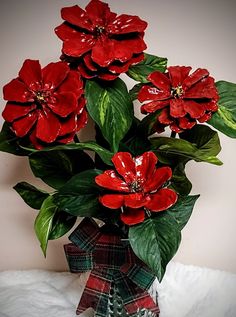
column 111, row 262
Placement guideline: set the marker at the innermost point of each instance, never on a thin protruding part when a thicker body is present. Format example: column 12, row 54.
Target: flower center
column 177, row 91
column 99, row 30
column 136, row 187
column 41, row 96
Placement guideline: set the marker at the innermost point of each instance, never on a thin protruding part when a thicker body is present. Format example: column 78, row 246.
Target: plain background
column 197, row 33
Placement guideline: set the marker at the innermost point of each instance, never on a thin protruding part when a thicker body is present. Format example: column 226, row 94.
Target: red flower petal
column 124, row 49
column 54, row 74
column 30, row 74
column 99, row 13
column 125, row 23
column 89, row 63
column 158, row 179
column 195, row 110
column 203, row 89
column 177, row 109
column 161, row 81
column 63, row 103
column 35, row 142
column 164, row 117
column 145, row 165
column 162, row 200
column 153, row 93
column 79, row 44
column 135, row 200
column 77, row 16
column 112, row 201
column 210, row 106
column 205, row 117
column 65, row 32
column 154, row 106
column 132, row 216
column 82, row 120
column 85, row 72
column 17, row 91
column 14, row 111
column 174, row 126
column 178, row 74
column 185, row 123
column 69, row 125
column 125, row 166
column 107, row 76
column 73, row 82
column 110, row 180
column 23, row 125
column 67, row 138
column 103, row 51
column 48, row 126
column 195, row 77
column 118, row 67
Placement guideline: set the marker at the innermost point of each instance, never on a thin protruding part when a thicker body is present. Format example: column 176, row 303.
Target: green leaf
column 111, row 108
column 31, row 195
column 224, row 119
column 9, row 142
column 56, row 167
column 147, row 125
column 105, row 155
column 179, row 182
column 156, row 240
column 204, row 150
column 79, row 196
column 44, row 222
column 62, row 223
column 51, row 223
column 182, row 210
column 133, row 93
column 151, row 63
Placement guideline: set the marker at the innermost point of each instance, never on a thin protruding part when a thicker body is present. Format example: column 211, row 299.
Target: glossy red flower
column 138, row 186
column 46, row 104
column 99, row 42
column 182, row 98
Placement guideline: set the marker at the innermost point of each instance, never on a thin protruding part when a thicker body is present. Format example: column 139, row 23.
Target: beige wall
column 198, row 33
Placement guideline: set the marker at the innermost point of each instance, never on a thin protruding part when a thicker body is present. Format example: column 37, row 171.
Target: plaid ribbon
column 111, row 263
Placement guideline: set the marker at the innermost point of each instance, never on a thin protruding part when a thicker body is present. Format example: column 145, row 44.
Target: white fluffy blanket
column 186, row 291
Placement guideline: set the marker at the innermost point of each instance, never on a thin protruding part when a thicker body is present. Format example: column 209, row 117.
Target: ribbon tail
column 134, row 297
column 96, row 292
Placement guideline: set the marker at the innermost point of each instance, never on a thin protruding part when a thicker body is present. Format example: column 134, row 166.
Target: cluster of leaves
column 70, row 171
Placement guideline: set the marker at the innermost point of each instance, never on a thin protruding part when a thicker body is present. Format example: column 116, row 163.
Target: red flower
column 100, row 42
column 46, row 104
column 139, row 186
column 183, row 98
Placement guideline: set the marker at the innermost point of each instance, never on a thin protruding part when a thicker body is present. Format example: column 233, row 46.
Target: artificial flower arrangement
column 135, row 183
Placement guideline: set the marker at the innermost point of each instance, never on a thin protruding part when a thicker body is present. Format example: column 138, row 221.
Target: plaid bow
column 111, row 263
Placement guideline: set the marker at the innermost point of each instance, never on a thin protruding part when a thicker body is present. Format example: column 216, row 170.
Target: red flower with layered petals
column 138, row 185
column 46, row 104
column 183, row 98
column 99, row 42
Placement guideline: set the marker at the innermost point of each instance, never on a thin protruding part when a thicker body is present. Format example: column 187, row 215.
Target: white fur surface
column 186, row 291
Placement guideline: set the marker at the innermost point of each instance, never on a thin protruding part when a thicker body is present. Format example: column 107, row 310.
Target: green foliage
column 224, row 119
column 31, row 195
column 9, row 142
column 111, row 108
column 79, row 196
column 151, row 63
column 156, row 240
column 51, row 223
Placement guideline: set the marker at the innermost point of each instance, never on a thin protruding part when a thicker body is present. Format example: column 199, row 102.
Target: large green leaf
column 179, row 182
column 79, row 196
column 224, row 119
column 204, row 149
column 55, row 168
column 33, row 196
column 151, row 63
column 9, row 142
column 90, row 146
column 111, row 108
column 156, row 240
column 51, row 223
